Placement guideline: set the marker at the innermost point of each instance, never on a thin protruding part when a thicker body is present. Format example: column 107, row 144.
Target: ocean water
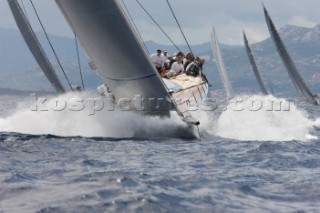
column 253, row 156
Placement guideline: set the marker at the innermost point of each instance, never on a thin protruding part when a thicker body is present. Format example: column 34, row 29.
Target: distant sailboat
column 220, row 64
column 254, row 65
column 295, row 76
column 110, row 40
column 34, row 45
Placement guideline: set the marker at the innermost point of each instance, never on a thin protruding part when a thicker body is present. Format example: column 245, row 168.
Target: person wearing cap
column 157, row 60
column 165, row 59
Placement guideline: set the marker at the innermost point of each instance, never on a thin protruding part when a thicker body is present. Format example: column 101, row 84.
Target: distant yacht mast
column 296, row 78
column 34, row 45
column 254, row 65
column 220, row 64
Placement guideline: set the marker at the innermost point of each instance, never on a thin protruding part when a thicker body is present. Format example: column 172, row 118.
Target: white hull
column 189, row 92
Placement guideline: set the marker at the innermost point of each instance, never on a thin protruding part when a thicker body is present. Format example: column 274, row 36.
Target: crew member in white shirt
column 177, row 67
column 157, row 60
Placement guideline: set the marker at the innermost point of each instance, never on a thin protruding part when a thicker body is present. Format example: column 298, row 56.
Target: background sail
column 286, row 59
column 254, row 65
column 220, row 64
column 110, row 41
column 34, row 45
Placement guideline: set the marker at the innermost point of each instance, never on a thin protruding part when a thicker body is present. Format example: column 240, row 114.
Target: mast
column 34, row 45
column 254, row 65
column 296, row 78
column 220, row 64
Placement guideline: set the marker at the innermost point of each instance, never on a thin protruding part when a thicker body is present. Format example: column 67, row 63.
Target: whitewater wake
column 75, row 119
column 264, row 118
column 246, row 118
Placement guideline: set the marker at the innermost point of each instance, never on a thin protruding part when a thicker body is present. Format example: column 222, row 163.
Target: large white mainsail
column 220, row 64
column 287, row 61
column 110, row 41
column 34, row 45
column 254, row 65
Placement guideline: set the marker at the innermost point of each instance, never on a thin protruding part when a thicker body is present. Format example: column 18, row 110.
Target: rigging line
column 54, row 52
column 134, row 24
column 78, row 57
column 159, row 26
column 24, row 10
column 179, row 25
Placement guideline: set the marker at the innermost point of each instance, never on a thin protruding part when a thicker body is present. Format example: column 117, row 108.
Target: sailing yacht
column 254, row 66
column 220, row 64
column 295, row 76
column 35, row 46
column 114, row 46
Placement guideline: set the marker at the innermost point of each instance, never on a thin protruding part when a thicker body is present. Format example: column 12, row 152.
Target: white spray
column 264, row 118
column 68, row 115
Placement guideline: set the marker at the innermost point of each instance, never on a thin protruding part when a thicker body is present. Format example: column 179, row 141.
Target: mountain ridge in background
column 19, row 70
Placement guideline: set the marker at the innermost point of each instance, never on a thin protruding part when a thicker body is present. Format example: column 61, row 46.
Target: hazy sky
column 196, row 18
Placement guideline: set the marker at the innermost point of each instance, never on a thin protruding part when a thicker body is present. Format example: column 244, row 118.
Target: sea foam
column 264, row 118
column 65, row 116
column 247, row 118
